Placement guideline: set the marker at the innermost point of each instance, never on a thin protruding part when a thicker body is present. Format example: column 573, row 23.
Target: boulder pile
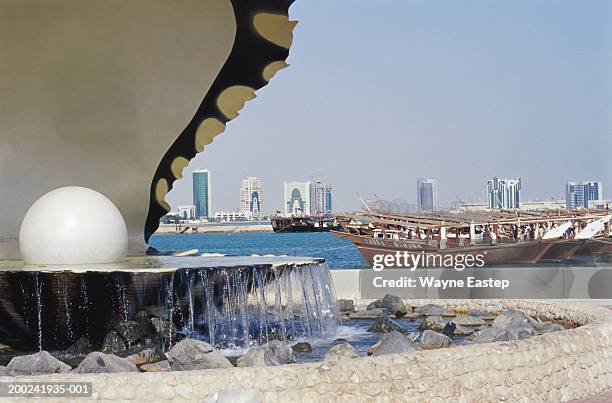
column 402, row 328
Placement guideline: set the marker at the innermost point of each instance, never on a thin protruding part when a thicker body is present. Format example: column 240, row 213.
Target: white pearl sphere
column 73, row 225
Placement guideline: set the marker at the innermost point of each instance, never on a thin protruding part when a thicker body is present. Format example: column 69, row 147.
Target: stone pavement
column 605, row 397
column 602, row 398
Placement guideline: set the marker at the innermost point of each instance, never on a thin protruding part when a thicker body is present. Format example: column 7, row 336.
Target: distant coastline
column 229, row 227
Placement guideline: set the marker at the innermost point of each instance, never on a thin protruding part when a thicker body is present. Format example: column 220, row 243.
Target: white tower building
column 320, row 198
column 251, row 197
column 297, row 198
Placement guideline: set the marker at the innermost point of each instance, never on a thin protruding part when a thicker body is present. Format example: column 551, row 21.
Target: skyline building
column 504, row 193
column 427, row 194
column 251, row 197
column 321, row 198
column 201, row 193
column 186, row 212
column 314, row 197
column 578, row 194
column 297, row 198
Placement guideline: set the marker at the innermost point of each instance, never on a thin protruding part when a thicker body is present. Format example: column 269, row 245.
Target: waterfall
column 84, row 302
column 229, row 307
column 67, row 307
column 125, row 308
column 38, row 290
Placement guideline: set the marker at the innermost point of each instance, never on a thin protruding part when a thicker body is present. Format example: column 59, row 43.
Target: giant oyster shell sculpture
column 119, row 95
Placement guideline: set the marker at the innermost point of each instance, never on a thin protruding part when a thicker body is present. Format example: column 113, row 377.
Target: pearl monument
column 119, row 102
column 73, row 225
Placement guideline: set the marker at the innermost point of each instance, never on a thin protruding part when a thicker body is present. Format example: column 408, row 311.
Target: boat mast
column 364, row 203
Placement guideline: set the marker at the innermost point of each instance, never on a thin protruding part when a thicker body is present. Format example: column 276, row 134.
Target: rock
column 160, row 311
column 340, row 352
column 520, row 332
column 432, row 340
column 71, row 359
column 191, row 354
column 302, row 347
column 484, row 315
column 392, row 343
column 97, row 363
column 449, row 329
column 256, row 357
column 486, row 335
column 81, row 346
column 113, row 343
column 434, row 322
column 431, row 309
column 269, row 354
column 390, row 303
column 414, row 336
column 549, row 328
column 468, row 320
column 513, row 318
column 385, row 325
column 478, row 312
column 159, row 366
column 514, row 324
column 143, row 355
column 236, row 396
column 233, row 359
column 129, row 331
column 463, row 331
column 36, row 364
column 490, row 334
column 4, row 348
column 282, row 352
column 163, row 327
column 385, row 312
column 346, row 305
column 367, row 315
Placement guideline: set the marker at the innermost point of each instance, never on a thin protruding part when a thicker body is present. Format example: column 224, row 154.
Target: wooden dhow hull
column 518, row 253
column 599, row 246
column 563, row 249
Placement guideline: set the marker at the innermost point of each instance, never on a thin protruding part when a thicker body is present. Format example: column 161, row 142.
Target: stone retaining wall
column 552, row 367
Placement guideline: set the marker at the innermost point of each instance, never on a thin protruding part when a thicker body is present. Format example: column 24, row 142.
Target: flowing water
column 229, row 307
column 235, row 308
column 38, row 291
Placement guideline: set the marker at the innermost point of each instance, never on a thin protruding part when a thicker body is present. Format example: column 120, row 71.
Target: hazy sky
column 382, row 92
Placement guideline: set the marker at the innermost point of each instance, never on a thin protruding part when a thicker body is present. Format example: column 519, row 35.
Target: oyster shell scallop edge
column 119, row 96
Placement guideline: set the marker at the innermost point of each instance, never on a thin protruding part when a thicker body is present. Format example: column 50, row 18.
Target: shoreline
column 174, row 229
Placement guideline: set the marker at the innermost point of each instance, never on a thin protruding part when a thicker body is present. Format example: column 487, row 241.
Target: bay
column 339, row 253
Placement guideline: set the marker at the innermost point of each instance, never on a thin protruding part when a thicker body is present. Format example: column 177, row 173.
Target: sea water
column 339, row 253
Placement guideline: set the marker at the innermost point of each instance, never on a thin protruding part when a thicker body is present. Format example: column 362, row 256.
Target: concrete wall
column 347, row 283
column 553, row 367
